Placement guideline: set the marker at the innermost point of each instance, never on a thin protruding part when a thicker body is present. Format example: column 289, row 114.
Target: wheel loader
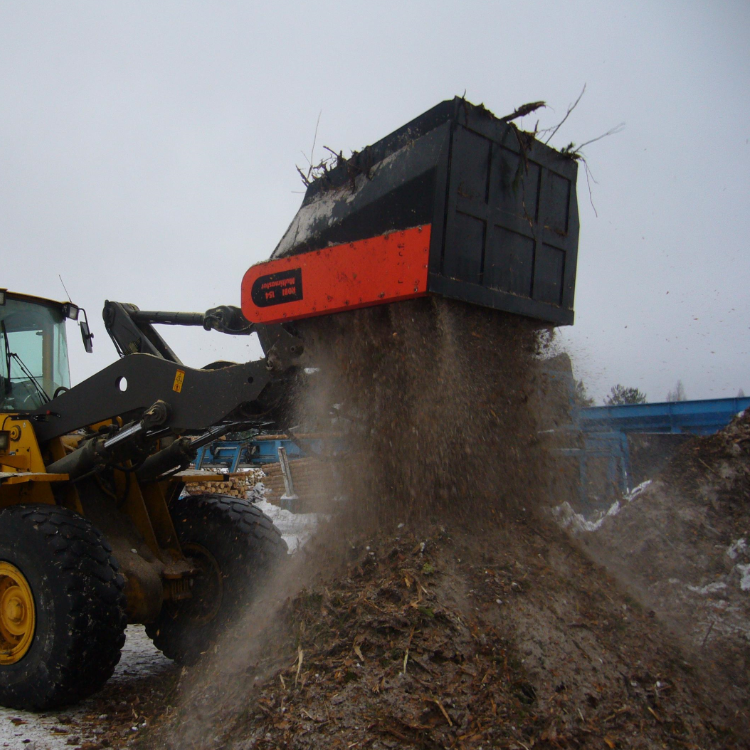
column 93, row 531
column 96, row 530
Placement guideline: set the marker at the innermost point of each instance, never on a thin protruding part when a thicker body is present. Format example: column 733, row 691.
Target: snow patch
column 709, row 588
column 576, row 522
column 744, row 571
column 633, row 494
column 295, row 528
column 736, row 549
column 568, row 518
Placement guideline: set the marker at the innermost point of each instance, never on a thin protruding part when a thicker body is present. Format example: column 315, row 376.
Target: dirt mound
column 437, row 608
column 508, row 638
column 716, row 470
column 682, row 545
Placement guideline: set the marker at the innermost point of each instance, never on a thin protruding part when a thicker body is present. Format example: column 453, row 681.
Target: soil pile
column 439, row 608
column 505, row 638
column 683, row 545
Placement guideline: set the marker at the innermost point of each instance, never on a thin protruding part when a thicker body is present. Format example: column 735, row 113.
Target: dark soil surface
column 505, row 637
column 141, row 689
column 121, row 711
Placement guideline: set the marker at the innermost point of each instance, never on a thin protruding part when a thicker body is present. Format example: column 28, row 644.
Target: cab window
column 33, row 354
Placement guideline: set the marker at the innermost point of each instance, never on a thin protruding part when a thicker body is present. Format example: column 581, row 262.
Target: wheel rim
column 208, row 585
column 17, row 614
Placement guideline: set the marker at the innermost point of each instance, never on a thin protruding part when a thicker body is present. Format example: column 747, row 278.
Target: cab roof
column 31, row 298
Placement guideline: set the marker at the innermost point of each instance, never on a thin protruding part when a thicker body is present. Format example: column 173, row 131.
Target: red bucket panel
column 374, row 271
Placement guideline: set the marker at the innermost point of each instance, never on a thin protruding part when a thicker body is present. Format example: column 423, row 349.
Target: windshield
column 33, row 354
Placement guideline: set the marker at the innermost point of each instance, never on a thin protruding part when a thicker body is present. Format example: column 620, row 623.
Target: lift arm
column 132, row 330
column 149, row 371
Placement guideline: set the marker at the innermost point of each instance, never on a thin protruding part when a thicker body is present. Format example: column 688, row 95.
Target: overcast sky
column 148, row 151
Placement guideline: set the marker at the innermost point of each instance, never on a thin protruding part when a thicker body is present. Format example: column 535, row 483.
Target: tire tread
column 94, row 590
column 241, row 523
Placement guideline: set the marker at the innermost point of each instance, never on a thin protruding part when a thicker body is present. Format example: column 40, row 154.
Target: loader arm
column 132, row 330
column 149, row 371
column 196, row 399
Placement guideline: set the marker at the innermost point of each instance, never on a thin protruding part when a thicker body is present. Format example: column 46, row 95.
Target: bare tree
column 678, row 394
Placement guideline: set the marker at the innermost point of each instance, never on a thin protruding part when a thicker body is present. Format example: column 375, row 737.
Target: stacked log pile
column 235, row 485
column 313, row 479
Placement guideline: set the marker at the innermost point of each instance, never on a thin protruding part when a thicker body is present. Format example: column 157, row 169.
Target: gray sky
column 147, row 154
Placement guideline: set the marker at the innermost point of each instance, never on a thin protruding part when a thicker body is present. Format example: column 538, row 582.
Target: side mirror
column 86, row 334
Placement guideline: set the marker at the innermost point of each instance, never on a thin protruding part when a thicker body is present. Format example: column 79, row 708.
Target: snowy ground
column 295, row 528
column 85, row 725
column 71, row 727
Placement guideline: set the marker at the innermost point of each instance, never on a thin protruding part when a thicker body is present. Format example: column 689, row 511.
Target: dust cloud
column 444, row 412
column 435, row 401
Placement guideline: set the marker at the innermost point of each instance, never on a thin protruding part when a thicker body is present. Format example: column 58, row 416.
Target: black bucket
column 502, row 208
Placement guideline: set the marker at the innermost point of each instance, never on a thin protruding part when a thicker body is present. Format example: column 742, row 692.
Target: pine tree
column 622, row 395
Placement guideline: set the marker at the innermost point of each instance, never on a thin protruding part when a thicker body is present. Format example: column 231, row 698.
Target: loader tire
column 235, row 547
column 62, row 607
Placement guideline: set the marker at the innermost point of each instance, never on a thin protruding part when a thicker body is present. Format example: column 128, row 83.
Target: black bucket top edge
column 362, row 161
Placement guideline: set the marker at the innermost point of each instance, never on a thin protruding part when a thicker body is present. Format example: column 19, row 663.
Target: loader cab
column 33, row 350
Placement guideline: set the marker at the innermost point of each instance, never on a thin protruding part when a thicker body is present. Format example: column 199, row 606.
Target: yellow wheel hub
column 17, row 614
